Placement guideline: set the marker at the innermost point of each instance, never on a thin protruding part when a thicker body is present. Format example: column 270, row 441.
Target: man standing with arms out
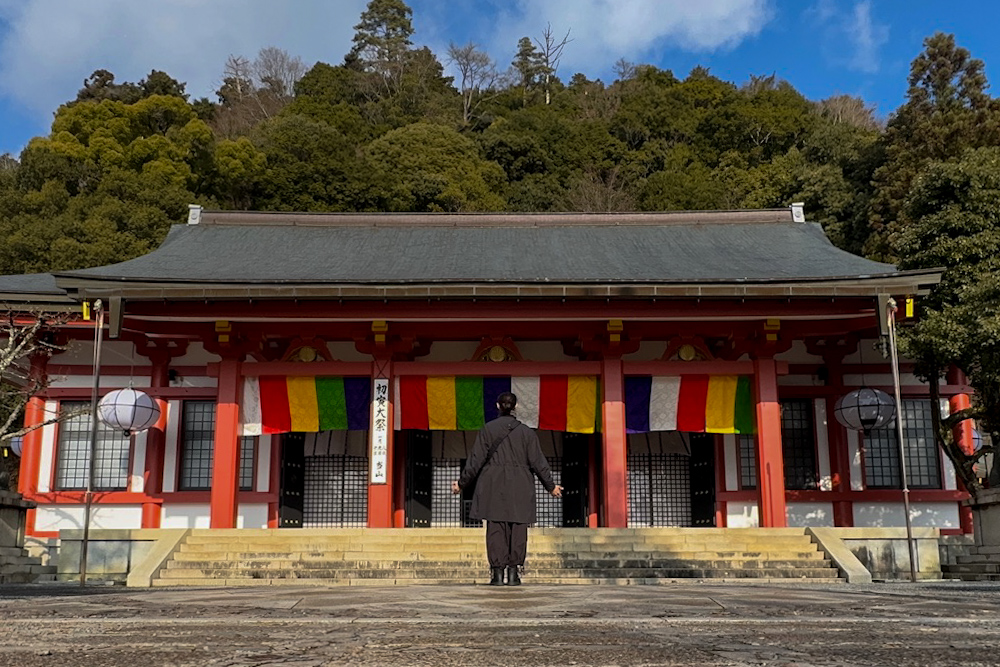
column 503, row 461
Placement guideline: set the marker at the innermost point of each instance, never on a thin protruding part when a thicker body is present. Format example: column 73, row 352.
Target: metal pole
column 98, row 338
column 891, row 317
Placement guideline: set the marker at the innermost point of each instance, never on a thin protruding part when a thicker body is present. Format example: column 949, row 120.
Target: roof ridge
column 313, row 219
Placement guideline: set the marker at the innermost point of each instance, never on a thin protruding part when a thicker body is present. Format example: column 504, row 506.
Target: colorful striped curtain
column 693, row 403
column 279, row 404
column 465, row 403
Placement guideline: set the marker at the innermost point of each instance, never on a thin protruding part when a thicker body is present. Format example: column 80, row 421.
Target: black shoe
column 513, row 578
column 497, row 576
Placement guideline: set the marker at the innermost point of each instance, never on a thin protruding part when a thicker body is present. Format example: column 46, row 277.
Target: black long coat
column 505, row 489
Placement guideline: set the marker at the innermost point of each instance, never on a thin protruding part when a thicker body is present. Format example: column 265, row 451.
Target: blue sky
column 823, row 47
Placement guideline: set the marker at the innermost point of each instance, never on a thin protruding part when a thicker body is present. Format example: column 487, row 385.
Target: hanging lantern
column 128, row 410
column 865, row 409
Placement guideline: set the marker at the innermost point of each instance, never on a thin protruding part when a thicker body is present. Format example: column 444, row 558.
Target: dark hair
column 506, row 401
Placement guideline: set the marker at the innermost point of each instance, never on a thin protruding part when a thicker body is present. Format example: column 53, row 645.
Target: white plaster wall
column 185, row 516
column 252, row 515
column 949, row 482
column 731, row 461
column 263, row 481
column 741, row 515
column 345, row 351
column 113, row 353
column 544, row 351
column 70, row 517
column 195, row 381
column 648, row 351
column 854, row 452
column 809, row 514
column 451, row 351
column 798, row 354
column 923, row 515
column 170, row 446
column 107, row 381
column 198, row 515
column 136, row 476
column 880, row 380
column 799, row 381
column 822, row 444
column 196, row 355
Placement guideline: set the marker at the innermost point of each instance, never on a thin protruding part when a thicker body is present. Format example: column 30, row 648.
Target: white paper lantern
column 128, row 410
column 865, row 409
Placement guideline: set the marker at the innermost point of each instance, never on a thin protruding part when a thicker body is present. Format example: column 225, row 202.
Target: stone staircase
column 17, row 567
column 457, row 556
column 981, row 564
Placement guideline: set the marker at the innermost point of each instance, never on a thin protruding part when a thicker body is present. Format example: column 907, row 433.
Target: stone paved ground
column 705, row 624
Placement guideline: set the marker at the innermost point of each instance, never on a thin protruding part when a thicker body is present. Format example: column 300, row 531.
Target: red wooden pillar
column 614, row 464
column 840, row 459
column 156, row 439
column 31, row 444
column 380, row 495
column 770, row 462
column 962, row 432
column 593, row 486
column 274, row 483
column 226, row 466
column 399, row 482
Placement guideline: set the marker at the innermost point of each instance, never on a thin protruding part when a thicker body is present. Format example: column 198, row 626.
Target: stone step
column 448, row 574
column 979, row 558
column 11, row 552
column 479, row 555
column 431, row 534
column 537, row 545
column 529, row 583
column 972, row 576
column 455, row 530
column 565, row 562
column 984, row 568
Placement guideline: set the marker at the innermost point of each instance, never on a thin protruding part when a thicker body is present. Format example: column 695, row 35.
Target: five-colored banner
column 570, row 403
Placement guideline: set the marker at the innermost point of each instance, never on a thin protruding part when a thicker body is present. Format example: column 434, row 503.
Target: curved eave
column 902, row 282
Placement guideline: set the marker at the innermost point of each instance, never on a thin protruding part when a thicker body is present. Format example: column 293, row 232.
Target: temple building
column 332, row 370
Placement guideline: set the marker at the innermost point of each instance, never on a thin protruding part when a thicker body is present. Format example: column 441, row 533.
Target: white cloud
column 867, row 37
column 851, row 38
column 50, row 46
column 605, row 30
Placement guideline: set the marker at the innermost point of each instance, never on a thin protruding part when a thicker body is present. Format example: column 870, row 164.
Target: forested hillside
column 384, row 129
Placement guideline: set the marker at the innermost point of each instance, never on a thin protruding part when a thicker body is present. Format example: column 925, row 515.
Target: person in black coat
column 505, row 488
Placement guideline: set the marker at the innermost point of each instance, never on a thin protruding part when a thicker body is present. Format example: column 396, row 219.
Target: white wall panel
column 922, row 515
column 70, row 517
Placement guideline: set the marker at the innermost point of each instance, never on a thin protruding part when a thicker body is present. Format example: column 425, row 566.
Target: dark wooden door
column 290, row 503
column 419, row 478
column 575, row 464
column 702, row 479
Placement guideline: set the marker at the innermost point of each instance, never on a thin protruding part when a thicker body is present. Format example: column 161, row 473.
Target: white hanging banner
column 380, row 431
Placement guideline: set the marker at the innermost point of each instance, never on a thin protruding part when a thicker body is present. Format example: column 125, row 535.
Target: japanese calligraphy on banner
column 380, row 431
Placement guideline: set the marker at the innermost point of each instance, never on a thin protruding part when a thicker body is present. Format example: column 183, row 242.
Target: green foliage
column 436, row 169
column 954, row 209
column 947, row 111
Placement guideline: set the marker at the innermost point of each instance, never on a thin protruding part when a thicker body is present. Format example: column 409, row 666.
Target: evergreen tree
column 382, row 43
column 947, row 111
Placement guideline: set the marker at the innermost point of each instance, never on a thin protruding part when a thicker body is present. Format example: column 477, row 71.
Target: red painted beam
column 512, row 368
column 423, row 310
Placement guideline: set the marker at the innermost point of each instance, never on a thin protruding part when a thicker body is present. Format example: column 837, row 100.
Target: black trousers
column 506, row 543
